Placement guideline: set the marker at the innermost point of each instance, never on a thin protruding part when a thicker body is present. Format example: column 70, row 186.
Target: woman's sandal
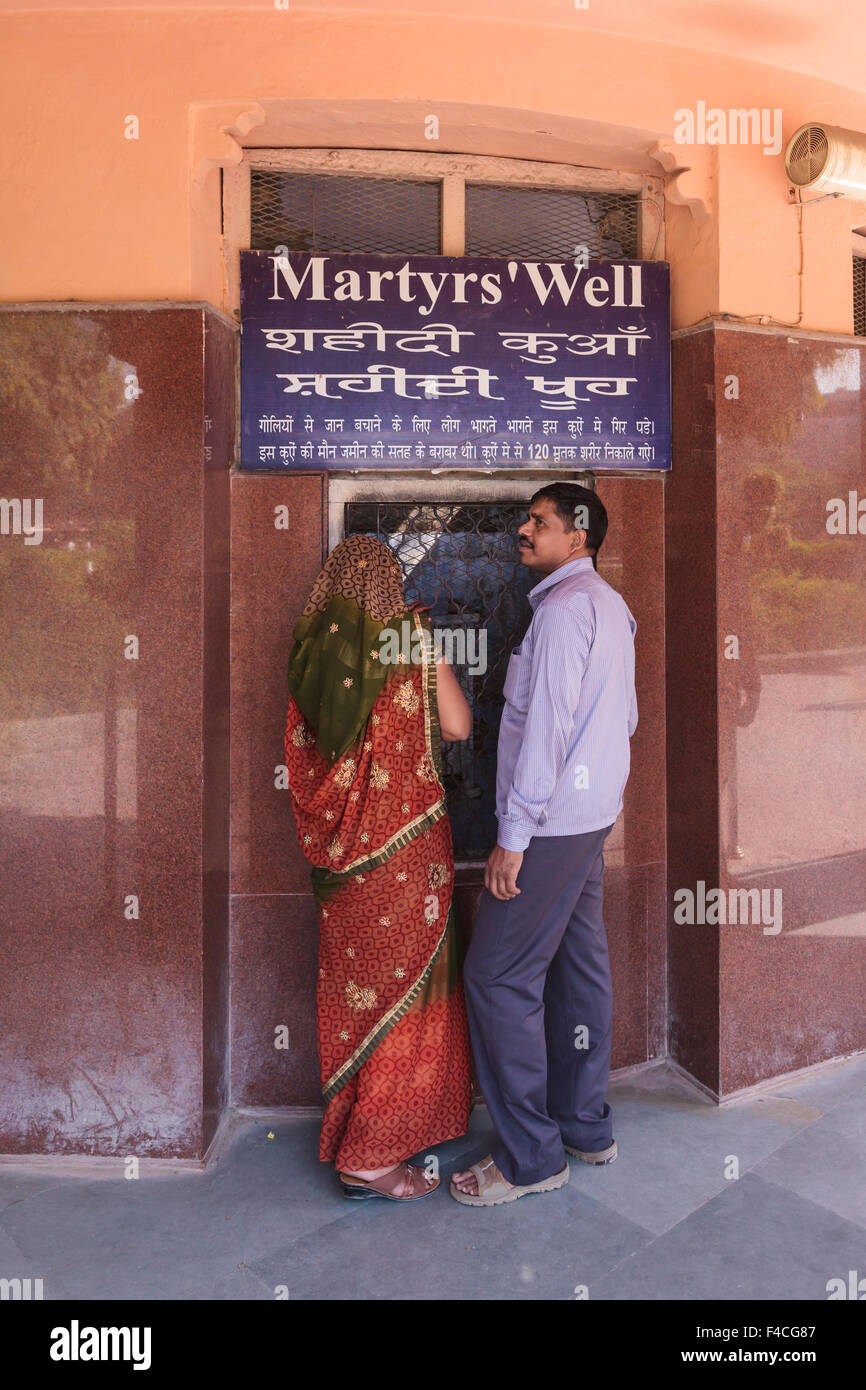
column 388, row 1185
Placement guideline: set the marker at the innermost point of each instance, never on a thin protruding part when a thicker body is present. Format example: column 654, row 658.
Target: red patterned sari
column 391, row 1022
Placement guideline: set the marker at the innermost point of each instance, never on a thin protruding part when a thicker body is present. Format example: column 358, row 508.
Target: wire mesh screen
column 860, row 295
column 336, row 214
column 550, row 222
column 461, row 559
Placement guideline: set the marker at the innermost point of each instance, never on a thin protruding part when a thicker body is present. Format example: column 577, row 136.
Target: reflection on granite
column 783, row 781
column 218, row 437
column 282, row 930
column 273, row 569
column 793, row 703
column 690, row 688
column 631, row 559
column 792, row 706
column 274, row 922
column 104, row 733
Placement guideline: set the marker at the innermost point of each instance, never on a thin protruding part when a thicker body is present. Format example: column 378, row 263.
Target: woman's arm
column 455, row 716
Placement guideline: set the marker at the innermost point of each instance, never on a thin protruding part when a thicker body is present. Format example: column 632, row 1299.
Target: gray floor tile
column 164, row 1237
column 18, row 1186
column 829, row 1087
column 660, row 1222
column 674, row 1145
column 240, row 1286
column 539, row 1247
column 755, row 1240
column 849, row 1116
column 14, row 1264
column 826, row 1163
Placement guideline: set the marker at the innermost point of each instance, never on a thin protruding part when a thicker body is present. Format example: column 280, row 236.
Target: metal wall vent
column 548, row 223
column 335, row 214
column 808, row 155
column 827, row 159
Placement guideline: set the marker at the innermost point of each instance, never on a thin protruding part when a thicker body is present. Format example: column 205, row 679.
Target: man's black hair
column 566, row 497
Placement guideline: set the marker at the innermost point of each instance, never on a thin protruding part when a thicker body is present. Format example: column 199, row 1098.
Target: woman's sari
column 364, row 765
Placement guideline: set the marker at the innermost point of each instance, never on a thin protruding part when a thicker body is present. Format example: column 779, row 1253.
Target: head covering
column 335, row 672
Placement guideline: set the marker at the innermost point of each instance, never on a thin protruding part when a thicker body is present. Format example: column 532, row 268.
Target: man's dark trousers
column 537, row 981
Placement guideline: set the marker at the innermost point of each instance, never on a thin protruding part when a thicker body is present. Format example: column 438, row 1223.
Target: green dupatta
column 336, row 676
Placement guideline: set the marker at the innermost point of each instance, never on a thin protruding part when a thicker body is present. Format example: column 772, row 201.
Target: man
column 537, row 975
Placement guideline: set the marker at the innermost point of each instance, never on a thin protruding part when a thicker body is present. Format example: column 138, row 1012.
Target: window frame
column 451, row 171
column 450, row 488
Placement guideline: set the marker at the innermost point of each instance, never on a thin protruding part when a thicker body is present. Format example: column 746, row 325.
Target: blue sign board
column 440, row 362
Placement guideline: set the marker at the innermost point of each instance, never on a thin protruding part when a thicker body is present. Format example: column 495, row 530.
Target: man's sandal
column 388, row 1185
column 601, row 1156
column 493, row 1189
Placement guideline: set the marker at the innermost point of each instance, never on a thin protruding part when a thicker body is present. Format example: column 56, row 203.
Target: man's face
column 544, row 542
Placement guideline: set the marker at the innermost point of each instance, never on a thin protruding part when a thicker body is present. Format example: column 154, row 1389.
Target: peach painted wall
column 95, row 216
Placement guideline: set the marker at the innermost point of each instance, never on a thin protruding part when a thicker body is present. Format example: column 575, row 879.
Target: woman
column 362, row 751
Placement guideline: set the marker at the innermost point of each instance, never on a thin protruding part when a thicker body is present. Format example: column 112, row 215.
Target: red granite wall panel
column 102, row 721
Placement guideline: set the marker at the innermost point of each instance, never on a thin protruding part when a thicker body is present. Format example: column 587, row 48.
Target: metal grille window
column 549, row 222
column 324, row 214
column 461, row 558
column 860, row 295
column 328, row 214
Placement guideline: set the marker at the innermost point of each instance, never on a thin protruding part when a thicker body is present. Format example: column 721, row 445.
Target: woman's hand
column 455, row 716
